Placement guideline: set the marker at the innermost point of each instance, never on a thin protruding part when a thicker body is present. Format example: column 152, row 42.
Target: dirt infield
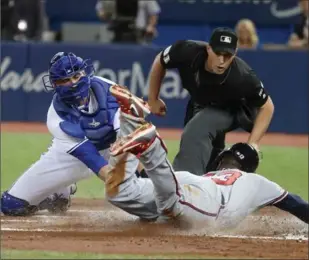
column 96, row 226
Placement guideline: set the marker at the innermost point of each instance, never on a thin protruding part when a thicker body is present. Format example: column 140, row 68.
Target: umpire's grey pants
column 196, row 140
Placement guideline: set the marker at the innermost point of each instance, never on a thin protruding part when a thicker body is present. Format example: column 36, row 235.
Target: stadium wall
column 284, row 74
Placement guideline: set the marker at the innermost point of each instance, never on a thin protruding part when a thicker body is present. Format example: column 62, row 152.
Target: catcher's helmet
column 62, row 68
column 244, row 154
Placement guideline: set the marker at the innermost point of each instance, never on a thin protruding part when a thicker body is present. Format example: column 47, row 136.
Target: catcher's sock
column 296, row 206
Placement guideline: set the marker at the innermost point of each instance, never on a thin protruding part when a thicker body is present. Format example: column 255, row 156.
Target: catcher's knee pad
column 13, row 206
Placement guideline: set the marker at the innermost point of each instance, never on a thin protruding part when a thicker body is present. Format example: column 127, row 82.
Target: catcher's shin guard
column 58, row 203
column 12, row 206
column 55, row 204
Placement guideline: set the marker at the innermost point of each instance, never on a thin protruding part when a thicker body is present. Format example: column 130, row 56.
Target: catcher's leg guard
column 55, row 204
column 58, row 203
column 12, row 206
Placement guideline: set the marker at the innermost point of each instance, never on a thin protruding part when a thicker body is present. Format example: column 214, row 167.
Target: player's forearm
column 157, row 74
column 87, row 153
column 262, row 122
column 295, row 205
column 153, row 20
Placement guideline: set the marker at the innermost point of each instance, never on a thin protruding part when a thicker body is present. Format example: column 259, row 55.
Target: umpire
column 225, row 94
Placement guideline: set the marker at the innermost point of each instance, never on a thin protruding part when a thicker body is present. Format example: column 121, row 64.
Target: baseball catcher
column 83, row 119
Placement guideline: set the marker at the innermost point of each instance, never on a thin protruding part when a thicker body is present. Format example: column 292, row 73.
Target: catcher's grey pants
column 196, row 140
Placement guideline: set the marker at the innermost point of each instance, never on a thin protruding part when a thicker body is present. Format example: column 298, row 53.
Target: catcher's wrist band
column 89, row 155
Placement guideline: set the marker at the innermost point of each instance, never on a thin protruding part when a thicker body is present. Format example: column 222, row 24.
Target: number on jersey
column 227, row 178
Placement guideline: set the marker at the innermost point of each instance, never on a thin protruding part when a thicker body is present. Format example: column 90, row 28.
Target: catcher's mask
column 69, row 76
column 245, row 155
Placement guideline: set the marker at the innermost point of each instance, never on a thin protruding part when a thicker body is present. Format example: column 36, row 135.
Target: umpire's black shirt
column 239, row 81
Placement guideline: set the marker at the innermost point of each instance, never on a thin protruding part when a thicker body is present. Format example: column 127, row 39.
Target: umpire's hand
column 157, row 107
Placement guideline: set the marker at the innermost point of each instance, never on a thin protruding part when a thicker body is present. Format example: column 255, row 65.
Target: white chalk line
column 99, row 213
column 19, row 220
column 60, row 216
column 288, row 237
column 87, row 211
column 117, row 215
column 48, row 218
column 78, row 211
column 103, row 212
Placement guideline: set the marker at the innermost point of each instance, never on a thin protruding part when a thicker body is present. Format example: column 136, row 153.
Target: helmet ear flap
column 216, row 163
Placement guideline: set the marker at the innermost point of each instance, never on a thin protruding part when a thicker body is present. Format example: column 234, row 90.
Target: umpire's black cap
column 223, row 39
